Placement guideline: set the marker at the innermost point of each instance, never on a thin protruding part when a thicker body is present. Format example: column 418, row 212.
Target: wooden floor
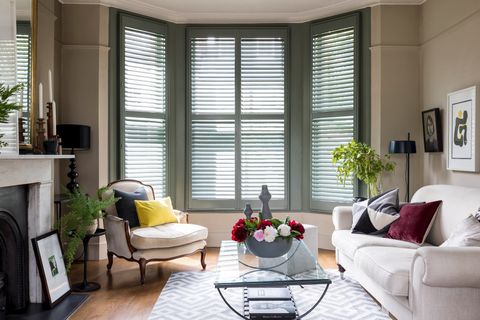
column 122, row 296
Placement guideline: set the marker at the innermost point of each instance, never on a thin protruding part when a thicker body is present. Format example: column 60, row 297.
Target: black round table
column 86, row 286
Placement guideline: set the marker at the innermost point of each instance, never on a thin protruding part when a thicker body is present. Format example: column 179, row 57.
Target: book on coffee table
column 268, row 294
column 271, row 309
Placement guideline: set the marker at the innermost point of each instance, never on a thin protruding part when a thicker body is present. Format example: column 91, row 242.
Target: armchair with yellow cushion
column 151, row 241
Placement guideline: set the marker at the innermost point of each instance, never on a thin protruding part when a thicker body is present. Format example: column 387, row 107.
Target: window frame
column 128, row 20
column 238, row 33
column 360, row 102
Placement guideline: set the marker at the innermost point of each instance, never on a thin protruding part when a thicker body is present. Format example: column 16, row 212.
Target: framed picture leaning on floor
column 49, row 256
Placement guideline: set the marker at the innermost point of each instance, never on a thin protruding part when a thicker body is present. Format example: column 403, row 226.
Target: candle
column 54, row 118
column 50, row 87
column 40, row 101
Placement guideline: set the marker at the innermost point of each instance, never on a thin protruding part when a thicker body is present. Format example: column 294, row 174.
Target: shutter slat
column 263, row 158
column 262, row 74
column 145, row 140
column 213, row 159
column 212, row 75
column 333, row 89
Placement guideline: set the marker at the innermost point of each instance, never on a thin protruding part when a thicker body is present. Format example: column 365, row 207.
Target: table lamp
column 74, row 137
column 406, row 147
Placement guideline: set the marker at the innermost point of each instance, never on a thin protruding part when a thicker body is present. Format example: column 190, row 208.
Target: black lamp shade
column 402, row 146
column 74, row 136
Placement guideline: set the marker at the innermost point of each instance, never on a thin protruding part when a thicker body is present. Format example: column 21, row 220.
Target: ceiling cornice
column 159, row 12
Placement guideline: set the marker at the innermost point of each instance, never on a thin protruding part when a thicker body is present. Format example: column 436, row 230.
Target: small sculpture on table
column 248, row 211
column 265, row 197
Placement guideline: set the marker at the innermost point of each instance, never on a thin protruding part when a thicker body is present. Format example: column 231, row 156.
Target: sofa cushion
column 349, row 243
column 389, row 267
column 167, row 235
column 373, row 216
column 415, row 222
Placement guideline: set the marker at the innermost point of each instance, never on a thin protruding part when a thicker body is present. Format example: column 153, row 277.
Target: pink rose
column 258, row 234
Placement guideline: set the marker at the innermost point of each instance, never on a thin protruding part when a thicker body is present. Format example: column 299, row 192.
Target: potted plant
column 6, row 106
column 267, row 238
column 356, row 159
column 81, row 219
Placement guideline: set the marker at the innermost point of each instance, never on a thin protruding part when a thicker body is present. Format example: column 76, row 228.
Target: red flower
column 239, row 233
column 296, row 226
column 263, row 224
column 240, row 222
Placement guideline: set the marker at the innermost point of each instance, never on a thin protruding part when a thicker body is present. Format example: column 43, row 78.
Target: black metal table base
column 85, row 287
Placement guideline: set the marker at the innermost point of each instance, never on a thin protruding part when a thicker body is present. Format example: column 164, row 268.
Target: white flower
column 284, row 230
column 270, row 233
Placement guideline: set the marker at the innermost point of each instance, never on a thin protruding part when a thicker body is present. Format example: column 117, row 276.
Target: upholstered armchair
column 145, row 244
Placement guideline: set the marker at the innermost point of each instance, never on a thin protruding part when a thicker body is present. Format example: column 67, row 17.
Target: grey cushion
column 126, row 205
column 374, row 216
column 467, row 234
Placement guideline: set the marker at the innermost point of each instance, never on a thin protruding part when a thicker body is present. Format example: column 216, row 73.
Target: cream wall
column 450, row 60
column 85, row 87
column 84, row 99
column 395, row 88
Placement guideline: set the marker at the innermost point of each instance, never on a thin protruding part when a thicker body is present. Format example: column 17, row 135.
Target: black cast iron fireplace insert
column 14, row 294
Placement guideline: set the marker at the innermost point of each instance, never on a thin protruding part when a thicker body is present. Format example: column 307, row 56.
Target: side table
column 86, row 286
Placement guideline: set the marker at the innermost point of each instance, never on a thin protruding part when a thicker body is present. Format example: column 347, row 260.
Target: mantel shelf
column 36, row 156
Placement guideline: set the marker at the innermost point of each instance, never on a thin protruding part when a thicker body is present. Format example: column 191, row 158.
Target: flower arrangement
column 267, row 230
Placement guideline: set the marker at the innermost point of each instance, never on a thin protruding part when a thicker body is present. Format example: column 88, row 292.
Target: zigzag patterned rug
column 192, row 296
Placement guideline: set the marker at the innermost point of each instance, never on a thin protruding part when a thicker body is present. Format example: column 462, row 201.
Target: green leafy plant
column 359, row 160
column 6, row 106
column 83, row 210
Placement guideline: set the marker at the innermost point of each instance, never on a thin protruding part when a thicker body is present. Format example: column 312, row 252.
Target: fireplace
column 14, row 284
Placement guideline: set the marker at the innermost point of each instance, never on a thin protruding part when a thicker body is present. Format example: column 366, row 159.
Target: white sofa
column 412, row 282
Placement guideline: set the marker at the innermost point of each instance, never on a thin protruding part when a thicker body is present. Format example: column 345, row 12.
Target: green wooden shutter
column 143, row 99
column 237, row 117
column 333, row 109
column 262, row 117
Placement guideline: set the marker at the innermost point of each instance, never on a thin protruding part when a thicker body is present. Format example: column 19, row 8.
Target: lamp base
column 73, row 175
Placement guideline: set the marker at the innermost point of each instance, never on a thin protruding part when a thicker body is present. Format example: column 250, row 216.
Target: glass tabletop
column 237, row 267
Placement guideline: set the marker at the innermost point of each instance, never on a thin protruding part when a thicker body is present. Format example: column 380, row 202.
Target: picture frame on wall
column 432, row 130
column 51, row 266
column 463, row 144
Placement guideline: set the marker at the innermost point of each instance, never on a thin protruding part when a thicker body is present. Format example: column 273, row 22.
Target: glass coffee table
column 267, row 281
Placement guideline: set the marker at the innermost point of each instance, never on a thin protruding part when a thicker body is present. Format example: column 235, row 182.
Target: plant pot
column 93, row 227
column 264, row 249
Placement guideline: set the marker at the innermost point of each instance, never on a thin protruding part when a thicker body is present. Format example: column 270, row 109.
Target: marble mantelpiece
column 36, row 171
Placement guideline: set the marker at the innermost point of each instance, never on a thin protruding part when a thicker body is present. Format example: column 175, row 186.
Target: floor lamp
column 406, row 147
column 74, row 137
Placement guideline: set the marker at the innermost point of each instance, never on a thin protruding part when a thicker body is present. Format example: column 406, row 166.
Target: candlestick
column 49, row 120
column 54, row 118
column 50, row 87
column 40, row 101
column 40, row 136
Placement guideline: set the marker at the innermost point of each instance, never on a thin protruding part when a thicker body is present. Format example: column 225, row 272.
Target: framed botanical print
column 49, row 256
column 432, row 130
column 463, row 131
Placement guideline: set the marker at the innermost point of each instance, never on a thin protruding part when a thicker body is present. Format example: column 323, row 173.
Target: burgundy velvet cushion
column 414, row 222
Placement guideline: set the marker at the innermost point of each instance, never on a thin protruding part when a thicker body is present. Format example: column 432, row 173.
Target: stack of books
column 270, row 303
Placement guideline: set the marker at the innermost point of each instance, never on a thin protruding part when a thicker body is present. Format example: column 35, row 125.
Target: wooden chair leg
column 143, row 266
column 203, row 253
column 341, row 270
column 110, row 260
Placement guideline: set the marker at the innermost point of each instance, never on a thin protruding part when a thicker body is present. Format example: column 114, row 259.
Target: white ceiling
column 240, row 11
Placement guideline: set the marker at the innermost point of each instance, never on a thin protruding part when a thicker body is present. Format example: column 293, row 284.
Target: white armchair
column 146, row 244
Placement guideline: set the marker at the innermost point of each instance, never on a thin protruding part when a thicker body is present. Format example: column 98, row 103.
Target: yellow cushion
column 155, row 212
